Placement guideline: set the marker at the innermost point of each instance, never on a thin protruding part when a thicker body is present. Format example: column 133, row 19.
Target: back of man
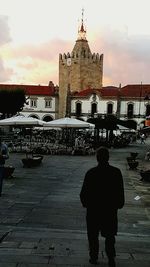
column 102, row 194
column 102, row 184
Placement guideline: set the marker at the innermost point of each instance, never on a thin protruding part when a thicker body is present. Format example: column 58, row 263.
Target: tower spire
column 81, row 30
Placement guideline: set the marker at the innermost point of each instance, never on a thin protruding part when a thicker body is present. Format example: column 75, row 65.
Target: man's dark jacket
column 102, row 194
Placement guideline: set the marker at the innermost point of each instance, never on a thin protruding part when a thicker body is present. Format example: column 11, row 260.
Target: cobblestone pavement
column 42, row 222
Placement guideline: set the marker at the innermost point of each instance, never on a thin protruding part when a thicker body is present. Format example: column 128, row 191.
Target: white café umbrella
column 68, row 123
column 21, row 121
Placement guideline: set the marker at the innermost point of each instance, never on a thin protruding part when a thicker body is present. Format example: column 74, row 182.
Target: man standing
column 102, row 194
column 3, row 156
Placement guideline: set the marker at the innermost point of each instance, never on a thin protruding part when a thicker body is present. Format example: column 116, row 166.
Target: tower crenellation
column 95, row 57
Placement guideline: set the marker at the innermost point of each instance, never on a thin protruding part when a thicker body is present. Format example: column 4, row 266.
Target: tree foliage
column 11, row 101
column 110, row 122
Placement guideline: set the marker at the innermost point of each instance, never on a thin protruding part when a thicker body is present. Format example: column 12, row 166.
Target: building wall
column 139, row 107
column 101, row 105
column 40, row 110
column 78, row 71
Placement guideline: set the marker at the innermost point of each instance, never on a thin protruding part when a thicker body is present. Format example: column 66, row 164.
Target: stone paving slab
column 42, row 223
column 59, row 246
column 102, row 264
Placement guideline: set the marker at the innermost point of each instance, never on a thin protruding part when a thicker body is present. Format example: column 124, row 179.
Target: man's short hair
column 102, row 154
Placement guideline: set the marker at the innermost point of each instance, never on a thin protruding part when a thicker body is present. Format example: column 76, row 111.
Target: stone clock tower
column 78, row 70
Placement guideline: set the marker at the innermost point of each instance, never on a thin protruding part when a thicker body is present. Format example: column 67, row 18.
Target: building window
column 33, row 103
column 48, row 103
column 109, row 108
column 78, row 109
column 147, row 110
column 130, row 111
column 93, row 108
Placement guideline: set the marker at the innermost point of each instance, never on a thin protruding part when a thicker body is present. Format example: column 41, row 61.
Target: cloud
column 5, row 73
column 126, row 58
column 45, row 51
column 4, row 30
column 36, row 63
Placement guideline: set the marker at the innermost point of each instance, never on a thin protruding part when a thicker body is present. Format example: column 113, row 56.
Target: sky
column 34, row 32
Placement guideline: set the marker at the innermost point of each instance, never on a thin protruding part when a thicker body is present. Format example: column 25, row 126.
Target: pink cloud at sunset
column 126, row 58
column 34, row 63
column 29, row 48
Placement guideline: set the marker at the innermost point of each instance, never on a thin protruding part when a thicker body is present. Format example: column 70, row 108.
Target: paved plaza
column 42, row 222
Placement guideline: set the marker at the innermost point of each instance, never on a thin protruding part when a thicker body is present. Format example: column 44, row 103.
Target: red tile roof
column 105, row 91
column 86, row 92
column 43, row 90
column 135, row 90
column 130, row 90
column 109, row 91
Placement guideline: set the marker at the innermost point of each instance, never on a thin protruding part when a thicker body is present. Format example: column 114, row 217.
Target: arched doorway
column 34, row 116
column 47, row 118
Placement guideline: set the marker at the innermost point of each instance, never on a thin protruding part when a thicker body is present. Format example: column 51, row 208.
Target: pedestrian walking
column 3, row 156
column 143, row 138
column 102, row 194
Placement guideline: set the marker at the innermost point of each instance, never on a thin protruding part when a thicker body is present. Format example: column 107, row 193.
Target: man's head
column 102, row 154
